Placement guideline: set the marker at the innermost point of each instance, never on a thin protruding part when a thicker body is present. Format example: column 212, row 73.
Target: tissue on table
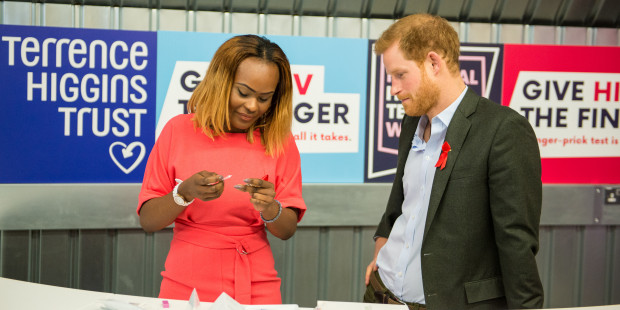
column 225, row 302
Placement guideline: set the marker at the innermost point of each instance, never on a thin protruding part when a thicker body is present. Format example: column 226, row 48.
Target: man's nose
column 395, row 88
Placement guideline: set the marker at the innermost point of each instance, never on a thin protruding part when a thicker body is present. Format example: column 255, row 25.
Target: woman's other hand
column 262, row 194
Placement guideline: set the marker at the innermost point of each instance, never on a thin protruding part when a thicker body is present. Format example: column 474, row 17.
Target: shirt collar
column 446, row 115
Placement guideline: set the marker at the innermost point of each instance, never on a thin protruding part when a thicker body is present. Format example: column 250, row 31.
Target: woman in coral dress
column 226, row 173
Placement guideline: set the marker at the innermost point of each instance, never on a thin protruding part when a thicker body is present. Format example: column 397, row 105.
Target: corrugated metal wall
column 579, row 262
column 579, row 265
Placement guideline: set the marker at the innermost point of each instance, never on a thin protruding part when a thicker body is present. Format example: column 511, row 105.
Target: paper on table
column 272, row 307
column 339, row 305
column 194, row 302
column 114, row 304
column 225, row 302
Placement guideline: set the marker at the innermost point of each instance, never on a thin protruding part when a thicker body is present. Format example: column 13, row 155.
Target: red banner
column 571, row 96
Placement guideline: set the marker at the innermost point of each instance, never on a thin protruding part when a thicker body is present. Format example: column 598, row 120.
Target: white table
column 21, row 295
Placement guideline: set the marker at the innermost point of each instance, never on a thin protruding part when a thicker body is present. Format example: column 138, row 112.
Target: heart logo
column 128, row 152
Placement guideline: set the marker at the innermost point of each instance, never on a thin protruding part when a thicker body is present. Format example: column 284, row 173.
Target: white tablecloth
column 21, row 295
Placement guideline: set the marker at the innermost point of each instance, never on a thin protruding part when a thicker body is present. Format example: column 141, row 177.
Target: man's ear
column 435, row 60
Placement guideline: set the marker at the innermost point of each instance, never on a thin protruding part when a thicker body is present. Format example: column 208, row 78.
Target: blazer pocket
column 484, row 290
column 468, row 169
column 467, row 174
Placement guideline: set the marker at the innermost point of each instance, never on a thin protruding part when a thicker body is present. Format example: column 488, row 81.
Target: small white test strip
column 224, row 178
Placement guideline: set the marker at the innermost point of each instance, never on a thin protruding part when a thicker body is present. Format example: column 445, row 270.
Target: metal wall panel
column 564, row 267
column 544, row 35
column 18, row 13
column 606, row 36
column 337, row 264
column 545, row 11
column 511, row 34
column 345, row 27
column 243, row 23
column 284, row 7
column 314, row 26
column 304, row 280
column 578, row 264
column 58, row 258
column 377, row 26
column 135, row 19
column 172, row 20
column 582, row 13
column 575, row 36
column 478, row 11
column 612, row 281
column 96, row 17
column 59, row 15
column 209, row 21
column 477, row 33
column 459, row 28
column 279, row 25
column 543, row 258
column 593, row 267
column 556, row 199
column 448, row 9
column 131, row 262
column 109, row 206
column 15, row 255
column 416, row 6
column 94, row 255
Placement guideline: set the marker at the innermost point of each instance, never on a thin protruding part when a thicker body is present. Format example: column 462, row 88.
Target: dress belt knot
column 244, row 245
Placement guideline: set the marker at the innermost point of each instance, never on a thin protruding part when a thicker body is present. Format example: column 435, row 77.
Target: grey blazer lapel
column 455, row 136
column 407, row 131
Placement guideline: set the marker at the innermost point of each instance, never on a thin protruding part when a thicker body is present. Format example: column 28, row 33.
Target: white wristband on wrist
column 178, row 199
column 277, row 215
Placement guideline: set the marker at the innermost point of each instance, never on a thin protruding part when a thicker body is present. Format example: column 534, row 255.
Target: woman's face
column 254, row 86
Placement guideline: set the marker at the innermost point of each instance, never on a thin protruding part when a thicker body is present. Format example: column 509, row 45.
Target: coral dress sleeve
column 288, row 182
column 158, row 179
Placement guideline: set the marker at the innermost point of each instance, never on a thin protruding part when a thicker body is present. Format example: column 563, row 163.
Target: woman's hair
column 419, row 34
column 210, row 100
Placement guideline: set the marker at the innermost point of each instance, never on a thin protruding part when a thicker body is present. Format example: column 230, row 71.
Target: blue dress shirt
column 399, row 260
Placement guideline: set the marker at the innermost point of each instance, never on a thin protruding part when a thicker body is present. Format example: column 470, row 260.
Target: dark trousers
column 377, row 293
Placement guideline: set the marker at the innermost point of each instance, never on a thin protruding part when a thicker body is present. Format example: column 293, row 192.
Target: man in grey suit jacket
column 460, row 230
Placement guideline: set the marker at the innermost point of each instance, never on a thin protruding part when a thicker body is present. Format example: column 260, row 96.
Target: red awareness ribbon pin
column 443, row 157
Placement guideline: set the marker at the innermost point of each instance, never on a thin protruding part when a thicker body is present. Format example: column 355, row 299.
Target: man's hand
column 379, row 243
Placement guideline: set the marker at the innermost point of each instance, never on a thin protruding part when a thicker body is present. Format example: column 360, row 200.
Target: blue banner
column 78, row 105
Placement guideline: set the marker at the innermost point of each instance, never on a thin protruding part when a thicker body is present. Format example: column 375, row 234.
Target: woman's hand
column 262, row 195
column 158, row 213
column 204, row 185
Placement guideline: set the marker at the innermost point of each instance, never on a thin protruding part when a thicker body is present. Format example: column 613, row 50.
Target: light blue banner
column 330, row 76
